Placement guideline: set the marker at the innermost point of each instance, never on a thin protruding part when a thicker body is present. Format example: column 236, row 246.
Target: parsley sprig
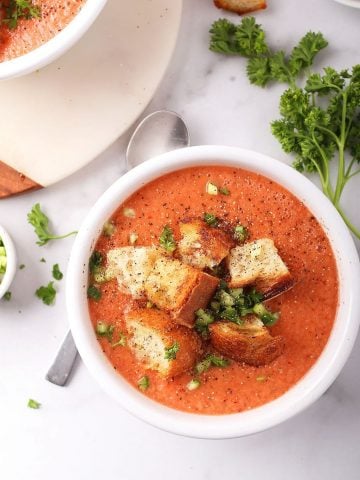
column 15, row 10
column 319, row 120
column 37, row 218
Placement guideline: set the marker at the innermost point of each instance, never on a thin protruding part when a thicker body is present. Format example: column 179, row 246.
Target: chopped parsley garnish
column 42, row 260
column 33, row 404
column 105, row 330
column 21, row 267
column 121, row 342
column 170, row 352
column 108, row 229
column 209, row 361
column 211, row 220
column 40, row 222
column 193, row 384
column 268, row 318
column 144, row 383
column 7, row 296
column 56, row 272
column 166, row 239
column 95, row 261
column 233, row 304
column 94, row 293
column 203, row 320
column 15, row 10
column 224, row 191
column 241, row 233
column 47, row 294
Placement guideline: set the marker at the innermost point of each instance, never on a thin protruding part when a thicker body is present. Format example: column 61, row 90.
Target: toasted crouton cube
column 258, row 264
column 202, row 246
column 250, row 343
column 161, row 344
column 179, row 289
column 131, row 266
column 241, row 6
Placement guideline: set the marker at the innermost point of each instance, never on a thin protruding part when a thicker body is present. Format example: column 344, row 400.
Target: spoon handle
column 62, row 366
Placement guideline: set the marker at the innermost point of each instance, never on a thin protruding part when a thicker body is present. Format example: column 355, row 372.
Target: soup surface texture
column 31, row 33
column 307, row 310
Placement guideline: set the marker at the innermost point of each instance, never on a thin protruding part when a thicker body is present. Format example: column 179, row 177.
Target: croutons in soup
column 212, row 290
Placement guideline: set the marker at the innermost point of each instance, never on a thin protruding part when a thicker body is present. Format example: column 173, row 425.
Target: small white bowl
column 11, row 262
column 56, row 46
column 308, row 389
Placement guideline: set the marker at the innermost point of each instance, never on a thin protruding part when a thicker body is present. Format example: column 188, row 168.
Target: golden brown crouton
column 241, row 6
column 161, row 344
column 202, row 246
column 251, row 343
column 258, row 264
column 131, row 266
column 179, row 289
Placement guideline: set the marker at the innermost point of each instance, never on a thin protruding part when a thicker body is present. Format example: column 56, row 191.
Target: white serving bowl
column 56, row 46
column 308, row 389
column 11, row 262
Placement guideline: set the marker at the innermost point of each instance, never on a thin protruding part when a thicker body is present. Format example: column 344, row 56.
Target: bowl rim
column 11, row 261
column 315, row 382
column 56, row 46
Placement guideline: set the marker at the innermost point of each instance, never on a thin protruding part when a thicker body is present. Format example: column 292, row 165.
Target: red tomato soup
column 31, row 33
column 307, row 311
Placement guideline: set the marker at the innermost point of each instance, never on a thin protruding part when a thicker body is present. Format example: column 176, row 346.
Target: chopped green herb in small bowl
column 8, row 263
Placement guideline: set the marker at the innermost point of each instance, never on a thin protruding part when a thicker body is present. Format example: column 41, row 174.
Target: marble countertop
column 79, row 433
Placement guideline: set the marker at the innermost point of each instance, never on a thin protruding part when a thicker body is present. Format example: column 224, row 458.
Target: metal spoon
column 159, row 132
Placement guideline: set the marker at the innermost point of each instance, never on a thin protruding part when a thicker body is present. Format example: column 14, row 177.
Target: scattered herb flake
column 21, row 267
column 7, row 296
column 105, row 330
column 94, row 293
column 144, row 383
column 56, row 272
column 47, row 294
column 224, row 191
column 211, row 219
column 170, row 352
column 33, row 404
column 241, row 233
column 166, row 239
column 95, row 261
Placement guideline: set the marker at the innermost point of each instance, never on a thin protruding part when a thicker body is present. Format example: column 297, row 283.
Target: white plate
column 56, row 120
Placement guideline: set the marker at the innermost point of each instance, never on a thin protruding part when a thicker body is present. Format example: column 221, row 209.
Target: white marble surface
column 79, row 433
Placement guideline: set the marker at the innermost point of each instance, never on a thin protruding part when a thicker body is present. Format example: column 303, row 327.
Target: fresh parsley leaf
column 42, row 260
column 7, row 296
column 95, row 261
column 21, row 267
column 47, row 294
column 56, row 272
column 166, row 239
column 33, row 404
column 94, row 293
column 40, row 222
column 224, row 191
column 303, row 54
column 170, row 352
column 144, row 383
column 211, row 220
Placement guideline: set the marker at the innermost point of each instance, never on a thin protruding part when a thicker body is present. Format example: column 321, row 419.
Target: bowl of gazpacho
column 213, row 291
column 33, row 33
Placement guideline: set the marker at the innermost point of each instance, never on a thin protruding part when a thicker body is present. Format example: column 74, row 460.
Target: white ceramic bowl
column 11, row 262
column 56, row 46
column 307, row 390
